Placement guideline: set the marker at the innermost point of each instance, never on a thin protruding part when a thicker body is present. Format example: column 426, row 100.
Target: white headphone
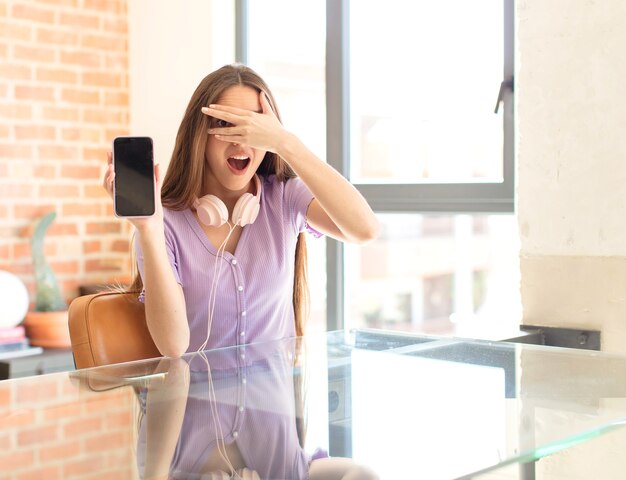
column 213, row 212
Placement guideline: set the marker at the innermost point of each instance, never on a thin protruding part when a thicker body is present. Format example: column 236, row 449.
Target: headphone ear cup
column 211, row 211
column 246, row 210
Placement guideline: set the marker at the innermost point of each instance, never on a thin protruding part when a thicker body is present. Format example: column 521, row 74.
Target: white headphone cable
column 221, row 445
column 213, row 291
column 219, row 434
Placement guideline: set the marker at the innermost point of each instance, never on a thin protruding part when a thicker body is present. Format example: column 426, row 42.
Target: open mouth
column 239, row 162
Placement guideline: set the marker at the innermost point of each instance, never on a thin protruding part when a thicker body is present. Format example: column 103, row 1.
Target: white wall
column 172, row 47
column 571, row 124
column 571, row 119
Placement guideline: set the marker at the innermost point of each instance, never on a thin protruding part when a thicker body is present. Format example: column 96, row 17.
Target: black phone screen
column 133, row 161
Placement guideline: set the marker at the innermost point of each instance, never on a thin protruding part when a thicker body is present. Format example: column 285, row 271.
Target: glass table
column 402, row 405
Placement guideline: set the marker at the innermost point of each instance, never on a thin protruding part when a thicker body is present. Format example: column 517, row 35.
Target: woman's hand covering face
column 261, row 130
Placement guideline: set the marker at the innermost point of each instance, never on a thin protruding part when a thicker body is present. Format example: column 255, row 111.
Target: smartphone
column 133, row 187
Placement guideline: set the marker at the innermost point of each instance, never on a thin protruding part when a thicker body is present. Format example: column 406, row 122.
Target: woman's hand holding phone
column 155, row 220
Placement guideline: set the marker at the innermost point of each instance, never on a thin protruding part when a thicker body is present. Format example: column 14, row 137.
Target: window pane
column 423, row 89
column 436, row 274
column 287, row 48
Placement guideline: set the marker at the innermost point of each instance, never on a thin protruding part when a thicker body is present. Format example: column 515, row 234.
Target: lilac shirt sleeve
column 169, row 247
column 298, row 197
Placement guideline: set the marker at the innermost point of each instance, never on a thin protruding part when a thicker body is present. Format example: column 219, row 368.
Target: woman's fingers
column 157, row 174
column 226, row 110
column 158, row 179
column 109, row 175
column 265, row 104
column 227, row 130
column 230, row 117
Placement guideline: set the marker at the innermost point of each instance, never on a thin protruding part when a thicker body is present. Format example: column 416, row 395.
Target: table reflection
column 221, row 412
column 231, row 413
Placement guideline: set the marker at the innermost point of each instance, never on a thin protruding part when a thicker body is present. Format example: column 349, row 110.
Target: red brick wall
column 63, row 97
column 53, row 429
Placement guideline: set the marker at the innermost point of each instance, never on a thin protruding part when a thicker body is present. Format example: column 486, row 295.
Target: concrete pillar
column 571, row 124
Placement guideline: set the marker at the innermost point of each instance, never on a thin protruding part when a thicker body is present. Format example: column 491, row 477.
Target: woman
column 223, row 261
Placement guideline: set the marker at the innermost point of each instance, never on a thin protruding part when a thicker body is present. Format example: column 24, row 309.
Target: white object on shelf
column 13, row 300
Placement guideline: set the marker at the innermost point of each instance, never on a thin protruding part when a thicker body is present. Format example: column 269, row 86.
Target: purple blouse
column 255, row 285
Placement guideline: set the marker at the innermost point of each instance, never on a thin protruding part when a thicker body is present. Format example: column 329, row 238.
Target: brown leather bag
column 108, row 328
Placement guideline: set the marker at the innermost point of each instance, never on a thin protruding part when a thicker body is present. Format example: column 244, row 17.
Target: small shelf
column 51, row 360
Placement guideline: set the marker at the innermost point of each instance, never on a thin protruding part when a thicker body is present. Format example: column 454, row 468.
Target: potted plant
column 46, row 325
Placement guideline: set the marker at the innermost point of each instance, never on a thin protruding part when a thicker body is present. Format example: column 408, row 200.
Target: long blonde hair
column 187, row 169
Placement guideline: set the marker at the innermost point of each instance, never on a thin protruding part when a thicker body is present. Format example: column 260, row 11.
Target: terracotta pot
column 48, row 329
